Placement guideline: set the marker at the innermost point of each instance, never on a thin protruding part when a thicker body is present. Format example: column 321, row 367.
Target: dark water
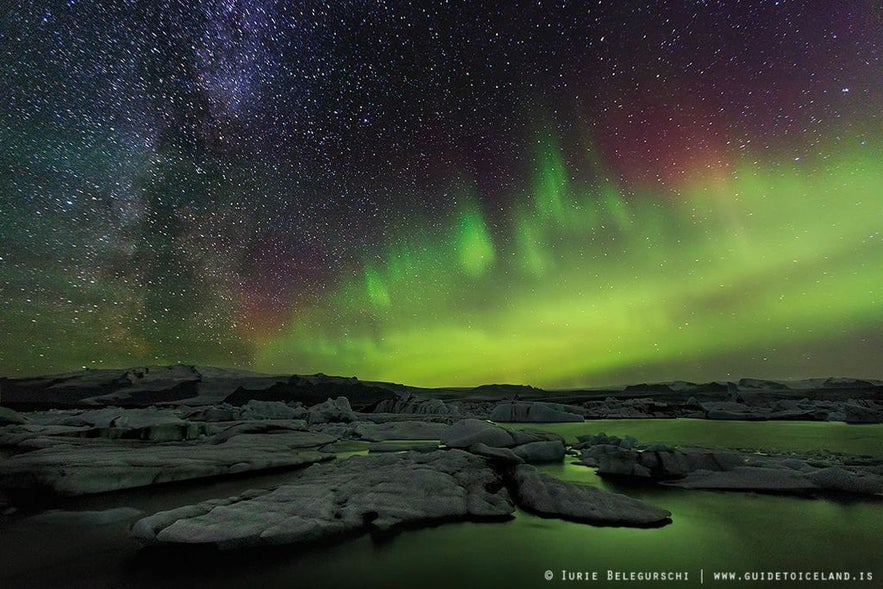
column 711, row 531
column 783, row 436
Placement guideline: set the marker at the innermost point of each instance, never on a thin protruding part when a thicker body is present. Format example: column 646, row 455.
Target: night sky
column 444, row 193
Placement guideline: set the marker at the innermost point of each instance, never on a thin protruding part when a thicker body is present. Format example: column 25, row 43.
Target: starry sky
column 444, row 193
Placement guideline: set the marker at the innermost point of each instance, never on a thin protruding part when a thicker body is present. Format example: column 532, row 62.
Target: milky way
column 554, row 193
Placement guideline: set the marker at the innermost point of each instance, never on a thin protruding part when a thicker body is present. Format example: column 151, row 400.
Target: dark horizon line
column 871, row 380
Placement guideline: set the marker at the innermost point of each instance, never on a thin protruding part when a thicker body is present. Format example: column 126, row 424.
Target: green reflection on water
column 785, row 436
column 737, row 532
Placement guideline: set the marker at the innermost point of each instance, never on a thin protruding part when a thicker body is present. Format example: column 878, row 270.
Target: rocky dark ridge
column 832, row 399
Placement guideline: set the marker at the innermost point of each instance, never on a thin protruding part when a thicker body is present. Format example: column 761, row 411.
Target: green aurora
column 751, row 269
column 560, row 194
column 763, row 269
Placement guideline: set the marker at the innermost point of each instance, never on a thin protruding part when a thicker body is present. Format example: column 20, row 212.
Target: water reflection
column 710, row 530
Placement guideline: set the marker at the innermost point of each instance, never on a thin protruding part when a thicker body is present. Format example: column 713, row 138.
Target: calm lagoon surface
column 711, row 531
column 773, row 436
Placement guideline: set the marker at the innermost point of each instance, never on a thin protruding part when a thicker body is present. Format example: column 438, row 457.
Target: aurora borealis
column 554, row 193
